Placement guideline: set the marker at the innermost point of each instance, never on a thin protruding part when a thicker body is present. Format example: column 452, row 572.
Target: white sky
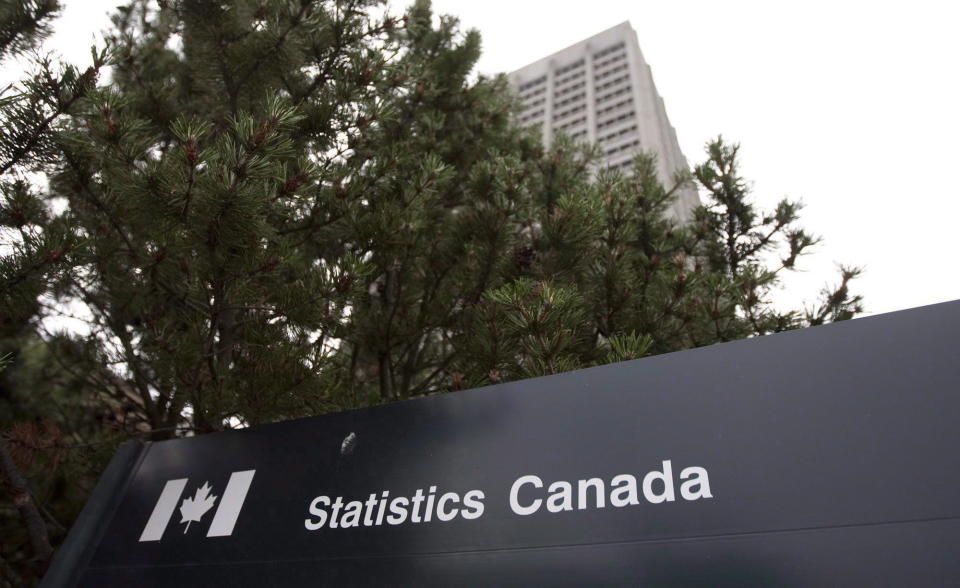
column 853, row 107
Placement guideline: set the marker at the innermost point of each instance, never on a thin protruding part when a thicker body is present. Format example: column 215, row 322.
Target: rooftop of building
column 573, row 52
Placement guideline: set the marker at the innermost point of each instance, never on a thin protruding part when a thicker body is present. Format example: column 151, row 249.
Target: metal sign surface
column 822, row 456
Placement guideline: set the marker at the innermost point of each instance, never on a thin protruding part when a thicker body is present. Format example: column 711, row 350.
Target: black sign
column 822, row 456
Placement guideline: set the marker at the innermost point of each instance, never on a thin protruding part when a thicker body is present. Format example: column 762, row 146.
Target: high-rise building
column 601, row 90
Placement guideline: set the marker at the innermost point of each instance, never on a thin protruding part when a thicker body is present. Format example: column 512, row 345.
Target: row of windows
column 614, row 94
column 616, row 106
column 531, row 116
column 534, row 104
column 611, row 72
column 607, row 51
column 609, row 61
column 527, row 85
column 600, row 99
column 582, row 119
column 533, row 93
column 624, row 147
column 614, row 120
column 614, row 82
column 567, row 68
column 574, row 98
column 569, row 111
column 571, row 100
column 537, row 87
column 572, row 123
column 569, row 89
column 570, row 78
column 617, row 134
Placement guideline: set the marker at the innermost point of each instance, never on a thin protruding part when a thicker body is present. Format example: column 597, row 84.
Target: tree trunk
column 23, row 499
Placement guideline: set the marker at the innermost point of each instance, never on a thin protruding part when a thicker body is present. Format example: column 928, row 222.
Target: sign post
column 821, row 456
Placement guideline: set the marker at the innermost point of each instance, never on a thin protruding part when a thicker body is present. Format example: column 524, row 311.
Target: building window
column 617, row 134
column 569, row 111
column 609, row 61
column 571, row 99
column 614, row 107
column 527, row 85
column 533, row 93
column 613, row 82
column 531, row 116
column 571, row 124
column 614, row 94
column 614, row 120
column 561, row 81
column 610, row 72
column 569, row 89
column 623, row 147
column 567, row 68
column 608, row 50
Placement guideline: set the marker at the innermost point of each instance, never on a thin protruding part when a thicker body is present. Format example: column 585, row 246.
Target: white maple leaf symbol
column 194, row 508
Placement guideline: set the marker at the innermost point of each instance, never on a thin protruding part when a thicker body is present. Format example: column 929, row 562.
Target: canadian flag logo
column 193, row 508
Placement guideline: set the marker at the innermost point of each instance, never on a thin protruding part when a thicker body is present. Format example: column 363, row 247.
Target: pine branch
column 24, row 23
column 27, row 126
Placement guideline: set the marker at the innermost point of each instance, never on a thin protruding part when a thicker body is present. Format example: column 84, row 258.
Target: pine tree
column 606, row 275
column 36, row 249
column 30, row 110
column 737, row 238
column 215, row 189
column 277, row 209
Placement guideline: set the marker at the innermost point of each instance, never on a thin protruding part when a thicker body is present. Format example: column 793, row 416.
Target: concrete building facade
column 601, row 90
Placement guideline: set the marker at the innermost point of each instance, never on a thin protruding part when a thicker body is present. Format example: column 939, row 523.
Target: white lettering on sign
column 526, row 496
column 529, row 494
column 422, row 507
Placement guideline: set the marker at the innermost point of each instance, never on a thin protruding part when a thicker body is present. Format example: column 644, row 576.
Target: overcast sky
column 852, row 107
